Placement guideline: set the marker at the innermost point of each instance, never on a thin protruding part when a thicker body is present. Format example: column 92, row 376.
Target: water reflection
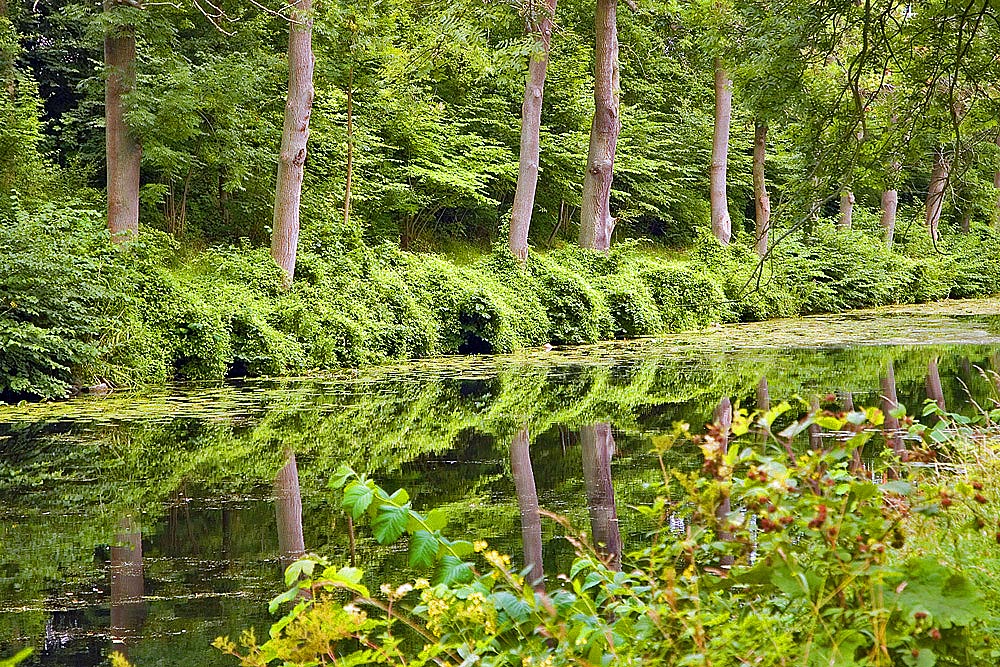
column 230, row 482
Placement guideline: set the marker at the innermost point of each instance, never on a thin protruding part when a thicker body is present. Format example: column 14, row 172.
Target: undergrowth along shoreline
column 77, row 310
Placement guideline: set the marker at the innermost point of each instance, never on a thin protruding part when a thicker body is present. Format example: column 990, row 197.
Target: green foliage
column 815, row 568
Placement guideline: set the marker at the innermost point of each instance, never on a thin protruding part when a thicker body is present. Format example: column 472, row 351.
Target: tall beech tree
column 761, row 200
column 123, row 151
column 722, row 226
column 540, row 26
column 294, row 139
column 596, row 223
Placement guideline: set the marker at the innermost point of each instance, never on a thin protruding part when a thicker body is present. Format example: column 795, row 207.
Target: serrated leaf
column 287, row 596
column 357, row 498
column 423, row 549
column 400, row 497
column 390, row 523
column 518, row 609
column 454, row 571
column 340, row 477
column 436, row 519
column 298, row 569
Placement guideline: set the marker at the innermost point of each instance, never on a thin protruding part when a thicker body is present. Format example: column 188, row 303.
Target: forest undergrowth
column 78, row 311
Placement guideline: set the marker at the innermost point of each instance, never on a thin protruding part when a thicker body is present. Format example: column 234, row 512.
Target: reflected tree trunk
column 935, row 392
column 763, row 394
column 889, row 404
column 527, row 502
column 288, row 510
column 857, row 465
column 128, row 611
column 723, row 418
column 815, row 439
column 598, row 447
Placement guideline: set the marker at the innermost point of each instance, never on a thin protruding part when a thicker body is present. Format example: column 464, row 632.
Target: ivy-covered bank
column 75, row 310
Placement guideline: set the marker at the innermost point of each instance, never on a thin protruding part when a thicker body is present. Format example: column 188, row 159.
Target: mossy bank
column 77, row 310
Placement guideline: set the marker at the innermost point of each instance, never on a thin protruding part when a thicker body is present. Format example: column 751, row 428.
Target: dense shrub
column 77, row 308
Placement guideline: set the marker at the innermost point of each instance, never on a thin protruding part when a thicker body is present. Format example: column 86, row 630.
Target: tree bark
column 294, row 139
column 527, row 502
column 598, row 447
column 288, row 512
column 722, row 226
column 996, row 184
column 762, row 202
column 596, row 223
column 128, row 611
column 123, row 152
column 763, row 394
column 531, row 123
column 846, row 210
column 890, row 403
column 935, row 391
column 935, row 191
column 890, row 201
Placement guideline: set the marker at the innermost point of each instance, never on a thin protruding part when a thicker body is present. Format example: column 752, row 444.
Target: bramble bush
column 819, row 562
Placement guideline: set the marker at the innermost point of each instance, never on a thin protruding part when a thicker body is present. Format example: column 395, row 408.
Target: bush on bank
column 76, row 310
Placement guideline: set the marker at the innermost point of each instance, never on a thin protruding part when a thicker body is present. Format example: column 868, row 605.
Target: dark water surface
column 154, row 522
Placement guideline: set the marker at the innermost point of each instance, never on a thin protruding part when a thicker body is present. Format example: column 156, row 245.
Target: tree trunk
column 123, row 151
column 722, row 226
column 128, row 611
column 966, row 223
column 598, row 446
column 596, row 223
column 996, row 184
column 935, row 391
column 935, row 191
column 890, row 403
column 288, row 511
column 763, row 394
column 846, row 210
column 531, row 122
column 527, row 502
column 762, row 202
column 294, row 138
column 890, row 200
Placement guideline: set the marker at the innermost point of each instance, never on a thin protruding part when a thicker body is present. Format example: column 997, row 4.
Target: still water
column 152, row 523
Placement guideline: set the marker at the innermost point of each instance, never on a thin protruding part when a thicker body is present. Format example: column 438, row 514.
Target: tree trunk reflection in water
column 723, row 417
column 598, row 446
column 890, row 403
column 857, row 464
column 527, row 502
column 934, row 390
column 128, row 611
column 288, row 509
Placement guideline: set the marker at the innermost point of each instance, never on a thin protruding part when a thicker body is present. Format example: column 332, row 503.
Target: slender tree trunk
column 350, row 146
column 723, row 418
column 935, row 191
column 294, row 139
column 762, row 202
column 123, row 151
column 128, row 611
column 996, row 184
column 890, row 403
column 890, row 201
column 935, row 391
column 846, row 210
column 763, row 394
column 966, row 223
column 531, row 123
column 596, row 223
column 288, row 511
column 598, row 447
column 527, row 502
column 815, row 439
column 722, row 226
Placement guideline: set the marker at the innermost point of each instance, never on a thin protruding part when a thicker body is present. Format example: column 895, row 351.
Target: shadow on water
column 152, row 523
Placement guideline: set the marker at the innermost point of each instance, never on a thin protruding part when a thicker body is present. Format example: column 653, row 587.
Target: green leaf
column 357, row 498
column 301, row 568
column 340, row 477
column 390, row 523
column 518, row 609
column 423, row 549
column 400, row 497
column 287, row 596
column 898, row 487
column 454, row 571
column 436, row 519
column 349, row 578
